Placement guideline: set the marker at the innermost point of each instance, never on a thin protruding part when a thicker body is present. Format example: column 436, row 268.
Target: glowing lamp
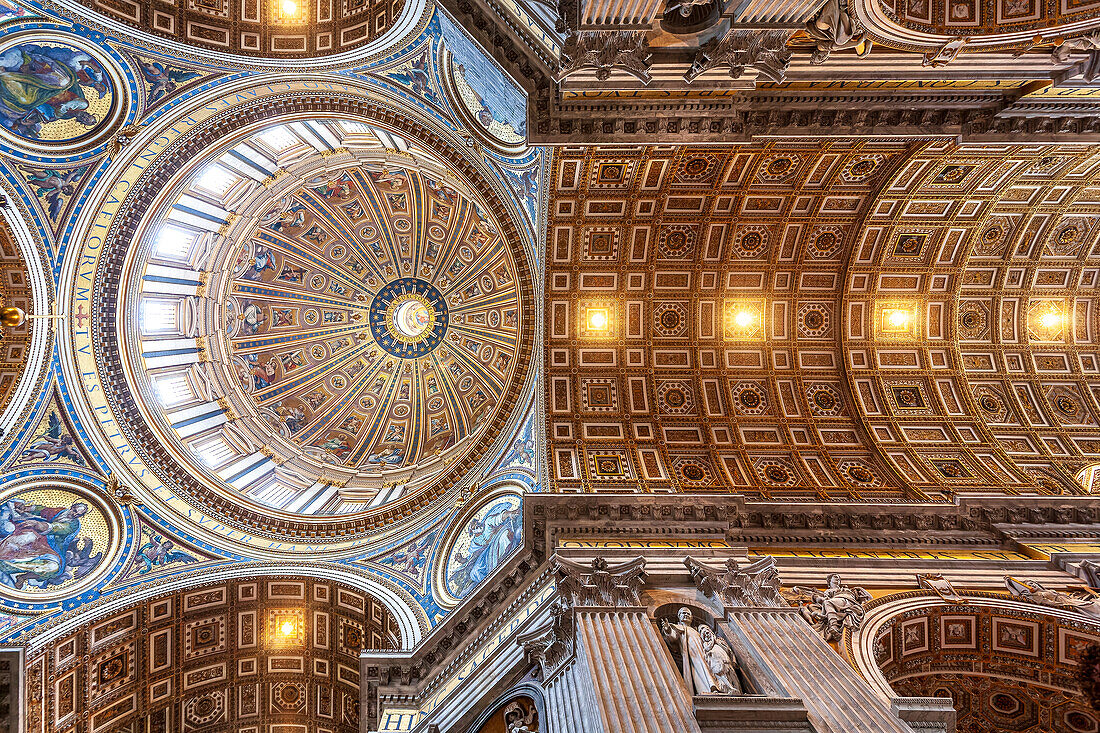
column 1051, row 320
column 744, row 318
column 11, row 317
column 597, row 319
column 289, row 8
column 287, row 628
column 896, row 320
column 899, row 319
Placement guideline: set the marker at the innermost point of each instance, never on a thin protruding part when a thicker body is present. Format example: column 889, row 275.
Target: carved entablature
column 754, row 586
column 599, row 584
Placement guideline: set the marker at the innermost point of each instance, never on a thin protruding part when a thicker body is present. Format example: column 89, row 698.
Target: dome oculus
column 408, row 318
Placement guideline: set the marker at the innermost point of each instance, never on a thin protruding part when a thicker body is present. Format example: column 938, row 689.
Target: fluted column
column 785, row 655
column 804, row 666
column 638, row 689
column 605, row 667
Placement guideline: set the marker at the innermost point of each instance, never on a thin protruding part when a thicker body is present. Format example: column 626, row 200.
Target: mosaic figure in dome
column 43, row 87
column 40, row 545
column 55, row 187
column 163, row 79
column 159, row 552
column 491, row 536
column 53, row 444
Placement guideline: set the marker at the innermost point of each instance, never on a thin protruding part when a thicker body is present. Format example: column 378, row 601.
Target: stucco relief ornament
column 765, row 51
column 1089, row 44
column 833, row 609
column 605, row 52
column 710, row 667
column 834, row 29
column 945, row 54
column 685, row 7
column 1033, row 592
column 941, row 586
column 756, row 585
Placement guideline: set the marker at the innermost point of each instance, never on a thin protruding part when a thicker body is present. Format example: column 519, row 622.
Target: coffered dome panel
column 323, row 317
column 283, row 29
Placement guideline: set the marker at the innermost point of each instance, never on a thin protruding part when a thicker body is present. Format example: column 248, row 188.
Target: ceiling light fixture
column 1051, row 320
column 597, row 319
column 744, row 320
column 897, row 319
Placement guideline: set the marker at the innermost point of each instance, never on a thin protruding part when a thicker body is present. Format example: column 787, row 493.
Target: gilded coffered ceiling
column 253, row 28
column 822, row 321
column 231, row 656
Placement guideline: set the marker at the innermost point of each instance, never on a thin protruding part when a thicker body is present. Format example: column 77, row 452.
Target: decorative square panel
column 609, row 465
column 1016, row 636
column 601, row 244
column 599, row 395
column 909, row 245
column 958, row 632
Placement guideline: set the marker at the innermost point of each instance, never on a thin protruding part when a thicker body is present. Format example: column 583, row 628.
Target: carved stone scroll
column 755, row 585
column 941, row 586
column 605, row 52
column 765, row 51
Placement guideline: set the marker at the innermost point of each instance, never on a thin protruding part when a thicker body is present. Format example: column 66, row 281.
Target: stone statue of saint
column 833, row 29
column 710, row 667
column 834, row 609
column 721, row 661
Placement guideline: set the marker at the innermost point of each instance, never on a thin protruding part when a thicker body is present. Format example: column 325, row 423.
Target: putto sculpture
column 833, row 609
column 710, row 666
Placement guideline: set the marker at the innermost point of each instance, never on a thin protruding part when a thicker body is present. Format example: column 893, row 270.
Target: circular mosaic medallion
column 57, row 95
column 55, row 539
column 408, row 318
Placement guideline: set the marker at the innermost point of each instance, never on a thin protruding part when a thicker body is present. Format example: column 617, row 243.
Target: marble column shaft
column 636, row 684
column 800, row 664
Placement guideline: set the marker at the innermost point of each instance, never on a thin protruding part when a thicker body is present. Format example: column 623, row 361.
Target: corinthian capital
column 754, row 586
column 600, row 584
column 605, row 52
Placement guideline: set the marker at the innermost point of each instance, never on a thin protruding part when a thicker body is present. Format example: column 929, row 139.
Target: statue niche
column 709, row 664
